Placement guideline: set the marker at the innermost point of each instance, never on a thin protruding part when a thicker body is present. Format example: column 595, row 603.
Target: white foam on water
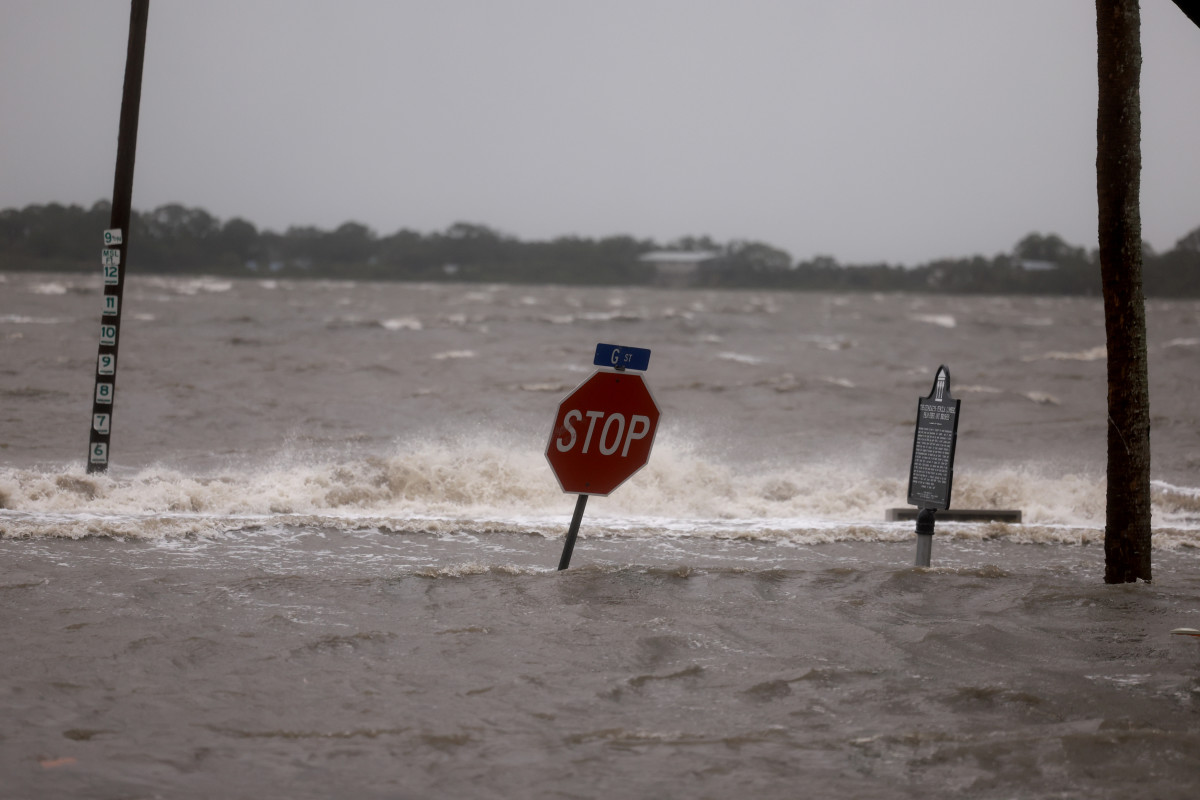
column 493, row 484
column 942, row 320
column 1042, row 398
column 403, row 324
column 1092, row 354
column 558, row 319
column 544, row 387
column 741, row 358
column 619, row 314
column 204, row 284
column 21, row 319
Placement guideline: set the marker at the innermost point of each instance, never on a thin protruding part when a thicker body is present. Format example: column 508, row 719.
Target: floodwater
column 323, row 561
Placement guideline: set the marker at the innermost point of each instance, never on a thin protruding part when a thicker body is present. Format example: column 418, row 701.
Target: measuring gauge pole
column 116, row 243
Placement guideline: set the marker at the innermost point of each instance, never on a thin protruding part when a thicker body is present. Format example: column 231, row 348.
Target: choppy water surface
column 323, row 562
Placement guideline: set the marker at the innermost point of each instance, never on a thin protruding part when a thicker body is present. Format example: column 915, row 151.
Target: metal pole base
column 565, row 561
column 925, row 520
column 924, row 549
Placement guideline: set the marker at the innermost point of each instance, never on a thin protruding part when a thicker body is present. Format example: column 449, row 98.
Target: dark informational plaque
column 932, row 471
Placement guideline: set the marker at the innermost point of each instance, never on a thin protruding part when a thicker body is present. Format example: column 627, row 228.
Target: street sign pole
column 116, row 244
column 569, row 545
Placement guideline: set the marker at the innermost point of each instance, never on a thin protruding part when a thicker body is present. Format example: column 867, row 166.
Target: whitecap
column 1094, row 354
column 543, row 387
column 741, row 358
column 612, row 316
column 17, row 319
column 1042, row 398
column 54, row 287
column 558, row 319
column 454, row 354
column 944, row 320
column 403, row 324
column 197, row 285
column 484, row 485
column 473, row 568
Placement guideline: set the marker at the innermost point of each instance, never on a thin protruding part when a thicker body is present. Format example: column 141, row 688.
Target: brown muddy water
column 323, row 562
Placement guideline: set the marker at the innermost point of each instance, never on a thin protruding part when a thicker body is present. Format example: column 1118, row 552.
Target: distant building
column 677, row 267
column 1036, row 265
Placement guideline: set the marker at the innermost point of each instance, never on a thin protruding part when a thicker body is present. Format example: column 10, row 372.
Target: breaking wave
column 487, row 486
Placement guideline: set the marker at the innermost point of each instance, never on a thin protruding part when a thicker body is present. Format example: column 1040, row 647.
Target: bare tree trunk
column 1118, row 182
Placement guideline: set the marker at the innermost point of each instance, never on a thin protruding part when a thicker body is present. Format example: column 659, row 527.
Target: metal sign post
column 569, row 545
column 931, row 473
column 116, row 244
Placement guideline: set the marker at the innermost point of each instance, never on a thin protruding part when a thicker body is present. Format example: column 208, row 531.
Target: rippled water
column 323, row 560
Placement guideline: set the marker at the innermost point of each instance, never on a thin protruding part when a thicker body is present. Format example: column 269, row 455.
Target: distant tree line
column 176, row 239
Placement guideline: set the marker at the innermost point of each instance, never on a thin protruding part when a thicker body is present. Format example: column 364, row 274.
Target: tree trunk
column 1118, row 179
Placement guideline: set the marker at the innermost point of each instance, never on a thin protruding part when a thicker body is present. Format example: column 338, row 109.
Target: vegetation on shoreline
column 175, row 239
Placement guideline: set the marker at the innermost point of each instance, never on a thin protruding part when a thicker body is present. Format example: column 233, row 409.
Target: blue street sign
column 618, row 357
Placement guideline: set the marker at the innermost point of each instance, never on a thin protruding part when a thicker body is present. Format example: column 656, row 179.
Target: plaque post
column 931, row 473
column 925, row 520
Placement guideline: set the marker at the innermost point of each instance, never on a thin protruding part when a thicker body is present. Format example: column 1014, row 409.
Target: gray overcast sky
column 869, row 130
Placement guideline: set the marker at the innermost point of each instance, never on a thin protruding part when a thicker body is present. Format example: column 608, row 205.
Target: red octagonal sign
column 603, row 433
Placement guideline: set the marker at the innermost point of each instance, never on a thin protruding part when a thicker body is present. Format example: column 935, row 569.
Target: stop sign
column 602, row 433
